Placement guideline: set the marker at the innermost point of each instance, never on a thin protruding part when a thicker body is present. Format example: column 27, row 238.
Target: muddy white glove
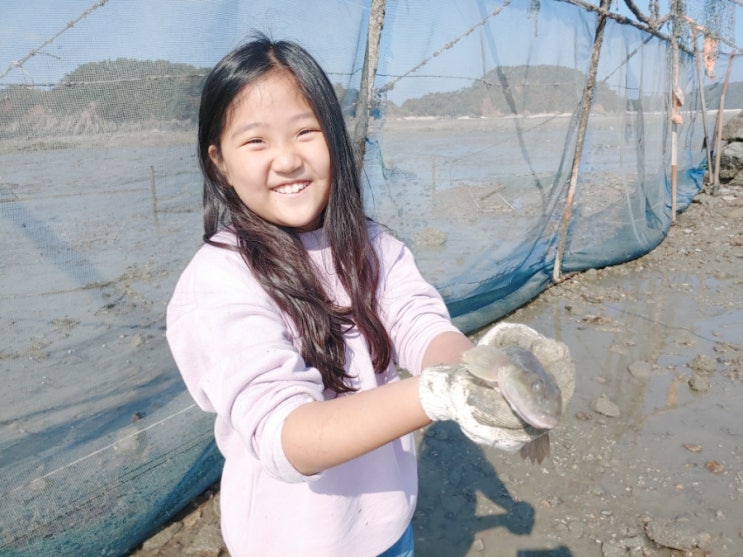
column 450, row 392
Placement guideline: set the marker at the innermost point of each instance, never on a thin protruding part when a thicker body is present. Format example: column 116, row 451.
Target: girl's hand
column 450, row 392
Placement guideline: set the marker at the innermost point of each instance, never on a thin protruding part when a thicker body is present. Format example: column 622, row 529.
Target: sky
column 199, row 32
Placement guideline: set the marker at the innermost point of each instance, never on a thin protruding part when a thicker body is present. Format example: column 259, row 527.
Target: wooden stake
column 585, row 110
column 371, row 60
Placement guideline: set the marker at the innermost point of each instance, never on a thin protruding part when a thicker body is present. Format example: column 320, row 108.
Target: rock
column 733, row 128
column 674, row 534
column 602, row 405
column 137, row 341
column 207, row 542
column 633, row 545
column 699, row 383
column 430, row 237
column 192, row 518
column 612, row 549
column 704, row 364
column 731, row 160
column 162, row 537
column 715, row 466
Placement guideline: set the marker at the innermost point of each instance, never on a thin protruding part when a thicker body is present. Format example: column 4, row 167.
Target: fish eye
column 537, row 385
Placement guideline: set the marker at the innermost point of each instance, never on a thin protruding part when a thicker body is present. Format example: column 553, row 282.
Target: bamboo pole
column 586, row 104
column 675, row 117
column 700, row 78
column 371, row 60
column 678, row 8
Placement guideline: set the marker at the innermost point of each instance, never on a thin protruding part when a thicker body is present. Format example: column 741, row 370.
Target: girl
column 290, row 321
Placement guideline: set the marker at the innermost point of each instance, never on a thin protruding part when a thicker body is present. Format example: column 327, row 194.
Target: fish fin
column 537, row 449
column 485, row 361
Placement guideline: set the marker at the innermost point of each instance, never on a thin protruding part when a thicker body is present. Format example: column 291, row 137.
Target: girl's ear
column 216, row 158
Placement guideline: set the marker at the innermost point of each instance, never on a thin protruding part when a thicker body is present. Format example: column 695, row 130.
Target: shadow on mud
column 461, row 495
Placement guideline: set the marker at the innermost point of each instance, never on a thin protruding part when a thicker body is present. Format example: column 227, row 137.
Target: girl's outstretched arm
column 319, row 435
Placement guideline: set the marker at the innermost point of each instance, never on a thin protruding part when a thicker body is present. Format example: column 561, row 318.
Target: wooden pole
column 676, row 104
column 371, row 60
column 580, row 139
column 700, row 78
column 153, row 195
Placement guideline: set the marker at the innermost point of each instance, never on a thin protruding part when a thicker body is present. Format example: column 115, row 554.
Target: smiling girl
column 290, row 321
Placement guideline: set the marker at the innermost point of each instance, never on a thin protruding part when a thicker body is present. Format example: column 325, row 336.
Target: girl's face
column 273, row 152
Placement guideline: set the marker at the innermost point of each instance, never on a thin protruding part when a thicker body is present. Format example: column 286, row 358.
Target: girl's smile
column 291, row 188
column 274, row 154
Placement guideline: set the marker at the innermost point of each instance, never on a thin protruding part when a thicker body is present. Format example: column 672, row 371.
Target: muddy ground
column 649, row 458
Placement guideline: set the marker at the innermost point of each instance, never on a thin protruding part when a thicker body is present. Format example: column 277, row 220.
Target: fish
column 531, row 392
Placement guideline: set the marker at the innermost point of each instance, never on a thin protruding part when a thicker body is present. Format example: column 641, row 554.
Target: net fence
column 508, row 143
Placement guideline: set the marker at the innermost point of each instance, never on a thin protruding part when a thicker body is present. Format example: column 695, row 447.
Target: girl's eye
column 253, row 142
column 308, row 132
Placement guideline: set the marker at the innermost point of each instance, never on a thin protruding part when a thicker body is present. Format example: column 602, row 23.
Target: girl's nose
column 287, row 160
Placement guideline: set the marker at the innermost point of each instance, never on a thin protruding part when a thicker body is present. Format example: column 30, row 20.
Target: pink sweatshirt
column 239, row 359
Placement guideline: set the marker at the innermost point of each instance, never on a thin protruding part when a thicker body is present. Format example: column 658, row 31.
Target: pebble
column 699, row 383
column 602, row 405
column 162, row 537
column 715, row 466
column 675, row 534
column 612, row 549
column 703, row 364
column 192, row 519
column 207, row 543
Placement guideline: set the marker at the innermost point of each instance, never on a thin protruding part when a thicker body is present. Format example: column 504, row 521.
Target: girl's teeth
column 293, row 188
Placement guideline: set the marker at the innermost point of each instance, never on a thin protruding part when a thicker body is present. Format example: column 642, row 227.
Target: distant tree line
column 99, row 96
column 509, row 90
column 109, row 95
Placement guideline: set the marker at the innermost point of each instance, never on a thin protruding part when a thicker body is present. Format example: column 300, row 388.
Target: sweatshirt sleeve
column 412, row 309
column 236, row 355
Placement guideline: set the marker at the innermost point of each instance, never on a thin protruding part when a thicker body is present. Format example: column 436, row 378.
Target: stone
column 703, row 364
column 602, row 405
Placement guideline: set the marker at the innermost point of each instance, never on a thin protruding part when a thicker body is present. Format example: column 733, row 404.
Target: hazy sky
column 199, row 32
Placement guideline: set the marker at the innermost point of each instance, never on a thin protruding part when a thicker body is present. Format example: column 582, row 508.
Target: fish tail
column 537, row 449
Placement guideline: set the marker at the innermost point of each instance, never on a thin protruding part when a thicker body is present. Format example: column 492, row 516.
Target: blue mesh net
column 481, row 152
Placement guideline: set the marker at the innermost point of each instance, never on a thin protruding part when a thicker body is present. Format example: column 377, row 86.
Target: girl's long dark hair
column 275, row 254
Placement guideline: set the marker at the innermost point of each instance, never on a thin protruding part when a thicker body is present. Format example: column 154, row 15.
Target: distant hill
column 733, row 96
column 103, row 96
column 513, row 90
column 115, row 94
